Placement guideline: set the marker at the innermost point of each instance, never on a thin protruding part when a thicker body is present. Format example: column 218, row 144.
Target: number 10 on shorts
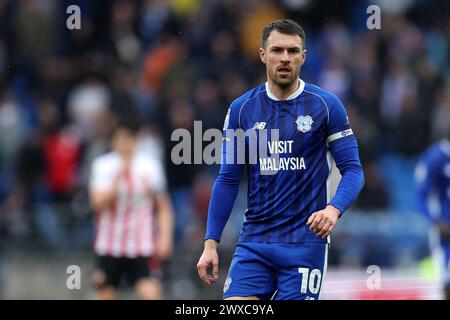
column 310, row 280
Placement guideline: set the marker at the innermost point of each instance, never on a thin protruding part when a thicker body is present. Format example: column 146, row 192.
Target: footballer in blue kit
column 291, row 207
column 433, row 193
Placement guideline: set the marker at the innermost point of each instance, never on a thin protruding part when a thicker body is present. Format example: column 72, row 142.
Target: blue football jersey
column 433, row 181
column 289, row 172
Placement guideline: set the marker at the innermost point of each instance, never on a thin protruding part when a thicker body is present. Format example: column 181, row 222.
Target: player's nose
column 285, row 56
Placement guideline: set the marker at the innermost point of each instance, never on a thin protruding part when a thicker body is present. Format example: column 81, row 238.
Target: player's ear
column 303, row 56
column 262, row 55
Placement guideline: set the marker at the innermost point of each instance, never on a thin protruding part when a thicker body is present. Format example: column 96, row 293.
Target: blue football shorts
column 278, row 271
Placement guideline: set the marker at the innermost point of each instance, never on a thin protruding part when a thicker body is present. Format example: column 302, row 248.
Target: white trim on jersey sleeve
column 334, row 177
column 339, row 135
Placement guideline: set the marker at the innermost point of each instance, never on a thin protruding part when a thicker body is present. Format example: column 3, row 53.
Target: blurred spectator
column 232, row 84
column 256, row 14
column 226, row 58
column 86, row 103
column 156, row 65
column 185, row 7
column 438, row 46
column 155, row 14
column 396, row 85
column 374, row 195
column 441, row 114
column 54, row 77
column 33, row 15
column 158, row 61
column 201, row 193
column 334, row 78
column 407, row 141
column 207, row 105
column 180, row 177
column 128, row 195
column 28, row 204
column 124, row 37
column 62, row 154
column 11, row 129
column 3, row 58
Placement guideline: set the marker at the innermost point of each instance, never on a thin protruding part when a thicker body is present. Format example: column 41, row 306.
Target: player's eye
column 277, row 50
column 294, row 50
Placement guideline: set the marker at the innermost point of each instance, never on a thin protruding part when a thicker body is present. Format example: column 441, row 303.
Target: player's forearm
column 104, row 200
column 165, row 219
column 347, row 161
column 351, row 184
column 222, row 200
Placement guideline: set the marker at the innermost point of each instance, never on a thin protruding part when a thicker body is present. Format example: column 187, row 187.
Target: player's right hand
column 209, row 259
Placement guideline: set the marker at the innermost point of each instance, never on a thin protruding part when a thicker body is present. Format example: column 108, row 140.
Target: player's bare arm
column 164, row 212
column 322, row 222
column 209, row 259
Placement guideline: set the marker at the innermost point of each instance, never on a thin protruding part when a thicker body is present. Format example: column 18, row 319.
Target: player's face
column 283, row 56
column 124, row 142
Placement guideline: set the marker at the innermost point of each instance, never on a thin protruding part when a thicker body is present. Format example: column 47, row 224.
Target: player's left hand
column 322, row 222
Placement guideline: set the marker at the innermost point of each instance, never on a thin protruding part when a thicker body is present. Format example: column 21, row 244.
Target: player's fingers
column 328, row 231
column 201, row 269
column 206, row 280
column 211, row 279
column 216, row 269
column 323, row 230
column 320, row 226
column 311, row 218
column 204, row 277
column 315, row 222
column 319, row 232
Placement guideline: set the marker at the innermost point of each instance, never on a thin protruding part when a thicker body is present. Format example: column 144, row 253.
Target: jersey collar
column 292, row 96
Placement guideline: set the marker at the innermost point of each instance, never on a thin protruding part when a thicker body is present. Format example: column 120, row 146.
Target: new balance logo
column 259, row 125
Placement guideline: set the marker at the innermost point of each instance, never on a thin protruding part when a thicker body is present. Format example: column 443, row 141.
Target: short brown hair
column 285, row 26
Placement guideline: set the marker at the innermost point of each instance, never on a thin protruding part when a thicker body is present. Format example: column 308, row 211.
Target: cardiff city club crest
column 227, row 284
column 304, row 123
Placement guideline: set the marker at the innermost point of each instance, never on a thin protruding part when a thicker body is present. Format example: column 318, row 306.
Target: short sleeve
column 101, row 177
column 157, row 177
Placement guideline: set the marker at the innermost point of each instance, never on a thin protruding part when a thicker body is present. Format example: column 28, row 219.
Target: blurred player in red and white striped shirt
column 134, row 217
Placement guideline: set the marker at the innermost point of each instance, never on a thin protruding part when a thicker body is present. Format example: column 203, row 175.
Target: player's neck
column 283, row 93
